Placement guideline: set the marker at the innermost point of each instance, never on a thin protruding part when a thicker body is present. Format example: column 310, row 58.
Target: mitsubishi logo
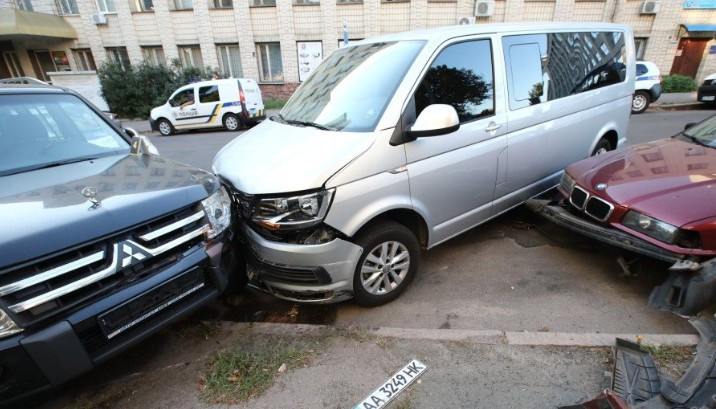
column 132, row 254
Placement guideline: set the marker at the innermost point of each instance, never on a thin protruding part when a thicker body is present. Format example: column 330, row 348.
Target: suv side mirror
column 689, row 125
column 436, row 119
column 141, row 145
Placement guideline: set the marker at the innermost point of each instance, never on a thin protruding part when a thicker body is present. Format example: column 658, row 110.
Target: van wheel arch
column 407, row 217
column 610, row 137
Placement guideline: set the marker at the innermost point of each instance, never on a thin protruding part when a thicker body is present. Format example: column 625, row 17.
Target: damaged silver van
column 403, row 141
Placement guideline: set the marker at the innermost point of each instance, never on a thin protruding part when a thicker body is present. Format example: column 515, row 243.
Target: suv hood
column 280, row 158
column 44, row 211
column 669, row 179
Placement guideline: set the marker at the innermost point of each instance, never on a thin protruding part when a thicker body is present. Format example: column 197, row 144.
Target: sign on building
column 310, row 54
column 699, row 4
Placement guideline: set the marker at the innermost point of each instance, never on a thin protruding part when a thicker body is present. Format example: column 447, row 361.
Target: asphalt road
column 199, row 147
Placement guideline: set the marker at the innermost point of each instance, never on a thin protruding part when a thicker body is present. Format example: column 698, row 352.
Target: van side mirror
column 436, row 119
column 141, row 145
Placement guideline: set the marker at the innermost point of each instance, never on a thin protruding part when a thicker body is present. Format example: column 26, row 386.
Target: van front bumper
column 321, row 273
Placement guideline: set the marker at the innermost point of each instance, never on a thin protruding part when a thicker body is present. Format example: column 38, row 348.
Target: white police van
column 229, row 103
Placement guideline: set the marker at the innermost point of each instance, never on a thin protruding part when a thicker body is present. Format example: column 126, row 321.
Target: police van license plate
column 390, row 389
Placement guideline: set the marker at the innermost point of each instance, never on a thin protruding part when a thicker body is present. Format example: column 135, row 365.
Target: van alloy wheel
column 385, row 267
column 232, row 123
column 165, row 128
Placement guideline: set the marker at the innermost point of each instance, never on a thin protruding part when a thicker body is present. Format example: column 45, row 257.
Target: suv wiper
column 48, row 165
column 306, row 123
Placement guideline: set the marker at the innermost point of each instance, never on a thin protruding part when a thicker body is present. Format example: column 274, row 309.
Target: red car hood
column 669, row 179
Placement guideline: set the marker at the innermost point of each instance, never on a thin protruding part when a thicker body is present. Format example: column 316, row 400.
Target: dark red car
column 657, row 198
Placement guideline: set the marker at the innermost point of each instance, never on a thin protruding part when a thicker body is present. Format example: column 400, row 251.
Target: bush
column 677, row 83
column 274, row 103
column 133, row 92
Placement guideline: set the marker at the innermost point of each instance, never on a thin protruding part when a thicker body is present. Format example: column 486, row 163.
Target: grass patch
column 243, row 372
column 196, row 329
column 106, row 399
column 274, row 103
column 671, row 360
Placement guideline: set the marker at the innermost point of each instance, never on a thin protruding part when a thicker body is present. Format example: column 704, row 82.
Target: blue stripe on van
column 232, row 104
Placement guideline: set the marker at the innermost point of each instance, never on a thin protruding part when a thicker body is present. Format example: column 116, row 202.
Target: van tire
column 603, row 146
column 640, row 102
column 165, row 127
column 373, row 239
column 232, row 122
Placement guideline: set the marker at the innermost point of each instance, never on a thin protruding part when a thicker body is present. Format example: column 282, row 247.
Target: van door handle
column 492, row 127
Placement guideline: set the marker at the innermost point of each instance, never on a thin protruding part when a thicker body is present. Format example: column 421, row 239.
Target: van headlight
column 292, row 212
column 650, row 226
column 7, row 325
column 218, row 211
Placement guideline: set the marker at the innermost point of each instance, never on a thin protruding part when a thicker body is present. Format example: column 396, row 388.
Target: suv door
column 184, row 107
column 452, row 176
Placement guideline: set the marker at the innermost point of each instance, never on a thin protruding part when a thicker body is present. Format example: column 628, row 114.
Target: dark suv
column 102, row 243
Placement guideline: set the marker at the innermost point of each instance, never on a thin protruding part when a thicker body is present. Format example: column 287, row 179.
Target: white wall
column 85, row 83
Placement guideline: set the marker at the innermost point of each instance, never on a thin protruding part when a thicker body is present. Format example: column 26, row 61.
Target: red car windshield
column 703, row 133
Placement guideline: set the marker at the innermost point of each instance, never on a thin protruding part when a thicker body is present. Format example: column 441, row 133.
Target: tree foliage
column 133, row 92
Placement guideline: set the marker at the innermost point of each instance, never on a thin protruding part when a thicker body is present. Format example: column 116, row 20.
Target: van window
column 641, row 69
column 209, row 94
column 545, row 67
column 460, row 76
column 184, row 97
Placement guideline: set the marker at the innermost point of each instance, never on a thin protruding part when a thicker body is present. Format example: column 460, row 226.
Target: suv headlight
column 292, row 212
column 567, row 183
column 218, row 211
column 650, row 226
column 7, row 325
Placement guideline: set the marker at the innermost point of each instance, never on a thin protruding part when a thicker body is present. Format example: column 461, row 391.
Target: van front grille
column 35, row 291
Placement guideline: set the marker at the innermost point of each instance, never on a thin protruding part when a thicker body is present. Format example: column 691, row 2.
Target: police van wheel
column 232, row 122
column 640, row 102
column 165, row 127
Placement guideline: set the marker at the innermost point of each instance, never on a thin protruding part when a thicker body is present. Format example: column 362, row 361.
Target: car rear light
column 243, row 101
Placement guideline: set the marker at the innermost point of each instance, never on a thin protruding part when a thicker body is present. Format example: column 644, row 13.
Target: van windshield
column 351, row 88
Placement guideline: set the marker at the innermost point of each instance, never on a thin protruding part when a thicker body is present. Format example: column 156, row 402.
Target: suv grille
column 47, row 287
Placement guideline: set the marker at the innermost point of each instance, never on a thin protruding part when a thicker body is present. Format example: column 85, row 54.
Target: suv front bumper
column 321, row 273
column 40, row 359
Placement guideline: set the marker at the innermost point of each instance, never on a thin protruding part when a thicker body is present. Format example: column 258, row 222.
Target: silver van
column 403, row 141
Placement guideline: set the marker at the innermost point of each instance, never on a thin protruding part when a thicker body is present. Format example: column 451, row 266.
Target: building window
column 190, row 56
column 270, row 66
column 13, row 64
column 118, row 55
column 143, row 5
column 183, row 5
column 306, row 2
column 230, row 60
column 640, row 46
column 24, row 5
column 106, row 6
column 262, row 3
column 154, row 55
column 84, row 60
column 223, row 4
column 68, row 7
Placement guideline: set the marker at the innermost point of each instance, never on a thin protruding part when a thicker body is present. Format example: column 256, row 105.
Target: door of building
column 688, row 56
column 42, row 63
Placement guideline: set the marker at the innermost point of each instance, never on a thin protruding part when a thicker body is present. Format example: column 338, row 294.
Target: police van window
column 183, row 98
column 460, row 76
column 209, row 94
column 641, row 69
column 566, row 64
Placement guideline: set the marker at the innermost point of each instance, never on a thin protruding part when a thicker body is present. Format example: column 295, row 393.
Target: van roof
column 445, row 33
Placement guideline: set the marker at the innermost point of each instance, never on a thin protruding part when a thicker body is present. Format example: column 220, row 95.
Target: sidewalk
column 677, row 101
column 142, row 125
column 328, row 367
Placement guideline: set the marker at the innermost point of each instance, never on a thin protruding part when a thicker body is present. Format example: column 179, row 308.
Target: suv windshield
column 703, row 133
column 352, row 87
column 42, row 130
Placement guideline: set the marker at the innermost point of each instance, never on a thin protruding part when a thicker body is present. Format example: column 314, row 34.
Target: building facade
column 274, row 40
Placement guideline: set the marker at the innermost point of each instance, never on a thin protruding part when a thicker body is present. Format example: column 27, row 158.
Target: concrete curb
column 489, row 337
column 690, row 106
